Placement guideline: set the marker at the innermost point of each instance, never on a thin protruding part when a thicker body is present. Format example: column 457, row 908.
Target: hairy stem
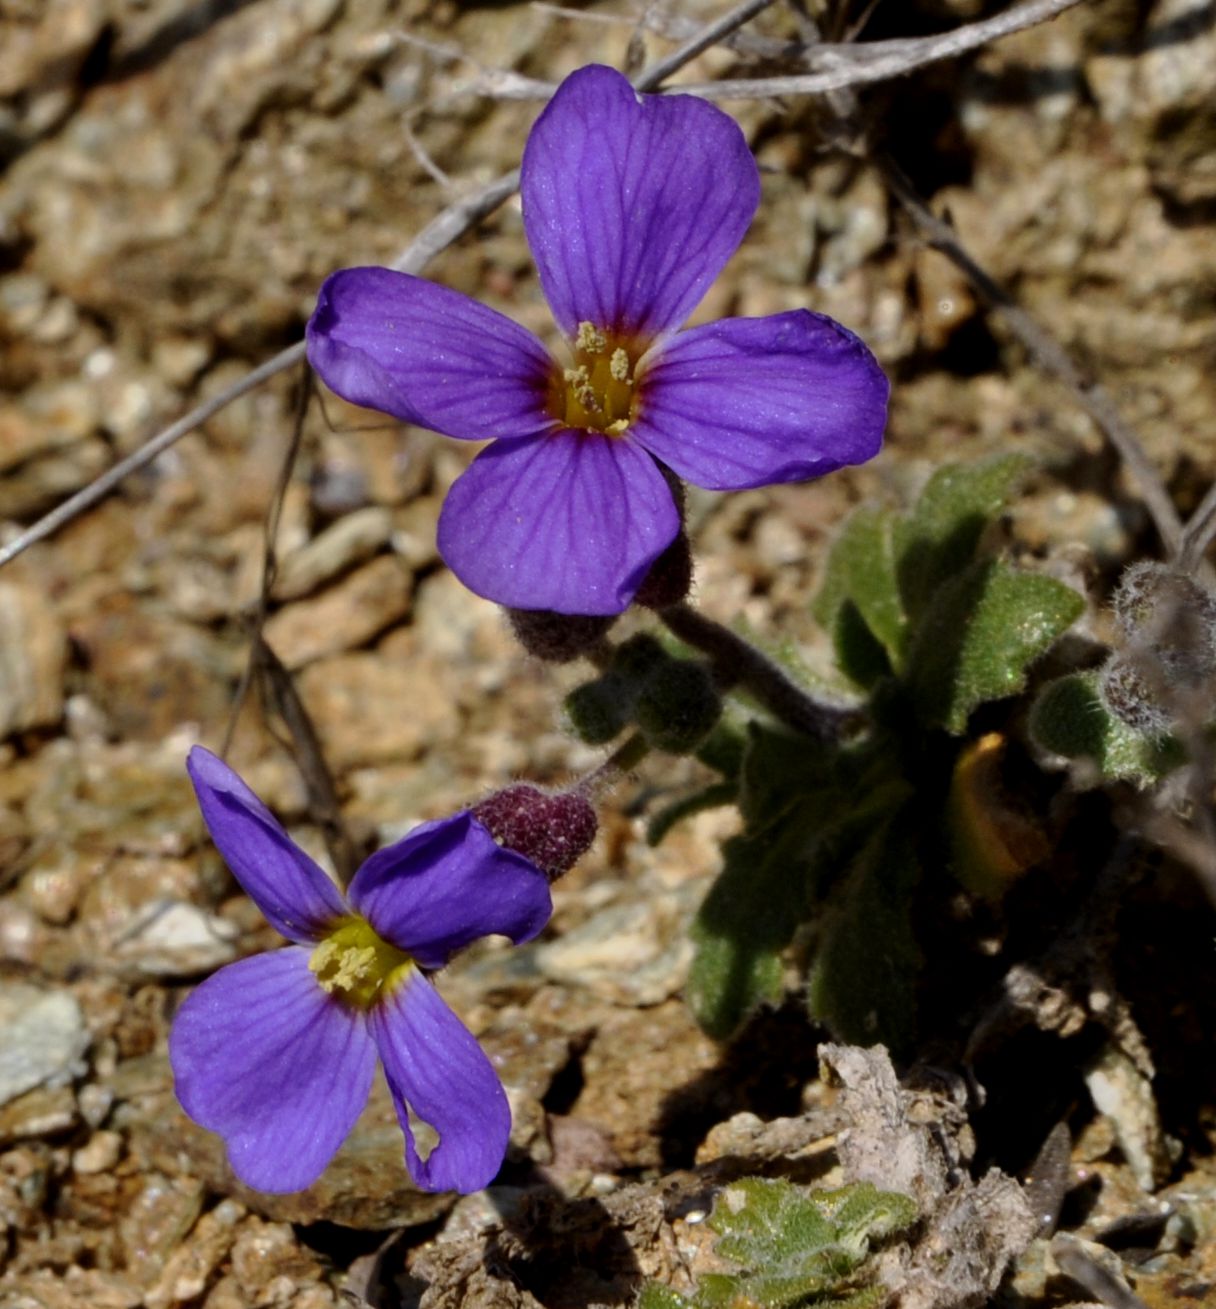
column 623, row 760
column 737, row 664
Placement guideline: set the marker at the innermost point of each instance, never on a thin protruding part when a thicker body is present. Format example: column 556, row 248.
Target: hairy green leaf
column 862, row 983
column 746, row 921
column 939, row 537
column 1069, row 718
column 657, row 1296
column 797, row 1248
column 979, row 635
column 859, row 586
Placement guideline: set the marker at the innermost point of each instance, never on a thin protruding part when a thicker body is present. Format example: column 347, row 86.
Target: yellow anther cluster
column 598, row 393
column 590, row 339
column 355, row 965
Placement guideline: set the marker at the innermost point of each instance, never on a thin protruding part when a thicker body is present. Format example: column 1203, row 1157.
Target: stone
column 351, row 540
column 345, row 617
column 170, row 938
column 42, row 1038
column 102, row 1151
column 44, row 1111
column 33, row 656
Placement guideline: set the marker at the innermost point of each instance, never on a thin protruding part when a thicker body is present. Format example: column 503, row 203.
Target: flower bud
column 552, row 829
column 677, row 706
column 1132, row 700
column 670, row 576
column 598, row 710
column 1171, row 614
column 557, row 638
column 636, row 658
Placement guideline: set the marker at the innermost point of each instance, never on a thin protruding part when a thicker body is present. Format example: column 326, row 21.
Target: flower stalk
column 736, row 664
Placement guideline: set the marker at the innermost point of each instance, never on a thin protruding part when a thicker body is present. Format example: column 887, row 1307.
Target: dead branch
column 848, row 64
column 1048, row 354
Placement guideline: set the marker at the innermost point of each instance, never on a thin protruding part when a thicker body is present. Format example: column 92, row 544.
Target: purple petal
column 446, row 884
column 428, row 355
column 751, row 401
column 437, row 1069
column 265, row 1058
column 632, row 204
column 289, row 888
column 569, row 522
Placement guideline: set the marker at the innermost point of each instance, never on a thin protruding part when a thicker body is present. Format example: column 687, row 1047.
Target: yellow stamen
column 600, row 392
column 353, row 964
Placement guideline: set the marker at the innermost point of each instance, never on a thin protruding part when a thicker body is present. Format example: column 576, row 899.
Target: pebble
column 99, row 1155
column 344, row 617
column 33, row 653
column 42, row 1038
column 175, row 939
column 351, row 540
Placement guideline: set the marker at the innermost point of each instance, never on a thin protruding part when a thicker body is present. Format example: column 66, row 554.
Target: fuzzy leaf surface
column 938, row 538
column 862, row 983
column 1069, row 718
column 860, row 587
column 979, row 635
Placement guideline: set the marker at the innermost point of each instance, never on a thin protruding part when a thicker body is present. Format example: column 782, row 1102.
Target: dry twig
column 1049, row 354
column 847, row 64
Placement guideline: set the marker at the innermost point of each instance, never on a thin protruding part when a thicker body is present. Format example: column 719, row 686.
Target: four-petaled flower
column 631, row 205
column 277, row 1052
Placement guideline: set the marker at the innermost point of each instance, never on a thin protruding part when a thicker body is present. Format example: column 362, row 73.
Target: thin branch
column 438, row 234
column 650, row 78
column 1049, row 354
column 672, row 27
column 848, row 64
column 1200, row 529
column 97, row 490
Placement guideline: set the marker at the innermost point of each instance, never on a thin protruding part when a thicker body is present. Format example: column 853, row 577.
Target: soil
column 180, row 176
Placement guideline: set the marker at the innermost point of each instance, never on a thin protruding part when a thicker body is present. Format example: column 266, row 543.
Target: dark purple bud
column 1130, row 697
column 670, row 576
column 557, row 638
column 553, row 830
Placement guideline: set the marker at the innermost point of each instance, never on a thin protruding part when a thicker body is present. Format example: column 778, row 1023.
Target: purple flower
column 276, row 1053
column 632, row 205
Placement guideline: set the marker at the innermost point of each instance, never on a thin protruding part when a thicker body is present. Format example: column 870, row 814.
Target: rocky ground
column 180, row 176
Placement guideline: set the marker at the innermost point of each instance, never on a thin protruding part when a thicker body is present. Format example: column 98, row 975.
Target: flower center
column 598, row 392
column 353, row 964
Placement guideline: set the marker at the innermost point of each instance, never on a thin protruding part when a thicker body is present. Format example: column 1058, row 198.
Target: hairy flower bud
column 557, row 638
column 677, row 706
column 598, row 710
column 670, row 576
column 1172, row 615
column 636, row 658
column 553, row 830
column 1132, row 700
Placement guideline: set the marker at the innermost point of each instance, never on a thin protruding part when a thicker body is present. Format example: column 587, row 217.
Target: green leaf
column 657, row 1296
column 979, row 634
column 860, row 575
column 939, row 537
column 863, row 979
column 859, row 654
column 747, row 920
column 1069, row 718
column 781, row 769
column 798, row 1247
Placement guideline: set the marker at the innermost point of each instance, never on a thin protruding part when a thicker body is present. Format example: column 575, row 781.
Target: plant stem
column 737, row 664
column 624, row 759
